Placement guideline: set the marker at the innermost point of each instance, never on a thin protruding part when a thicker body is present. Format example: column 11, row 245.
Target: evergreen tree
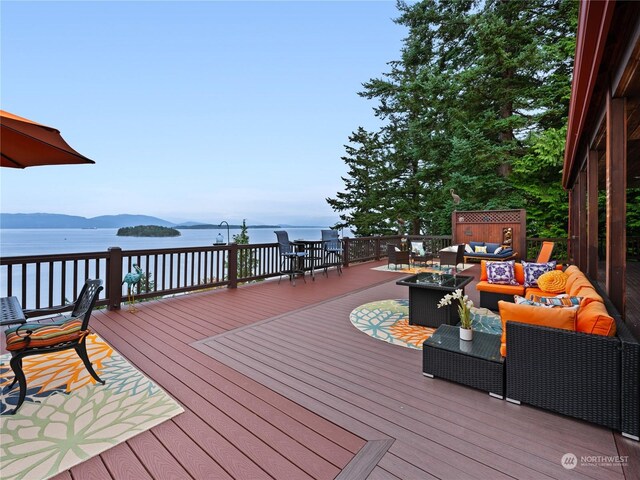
column 477, row 84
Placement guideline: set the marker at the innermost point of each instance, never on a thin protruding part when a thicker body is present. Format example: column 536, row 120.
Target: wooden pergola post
column 592, row 215
column 582, row 220
column 616, row 187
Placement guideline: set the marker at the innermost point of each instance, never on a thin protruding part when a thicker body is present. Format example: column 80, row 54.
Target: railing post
column 233, row 266
column 114, row 278
column 377, row 248
column 345, row 257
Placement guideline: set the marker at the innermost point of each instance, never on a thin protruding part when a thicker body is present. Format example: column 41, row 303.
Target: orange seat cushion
column 535, row 291
column 44, row 334
column 483, row 271
column 498, row 288
column 554, row 281
column 564, row 318
column 594, row 318
column 572, row 269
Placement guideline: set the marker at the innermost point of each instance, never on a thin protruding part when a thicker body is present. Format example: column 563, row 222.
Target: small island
column 148, row 231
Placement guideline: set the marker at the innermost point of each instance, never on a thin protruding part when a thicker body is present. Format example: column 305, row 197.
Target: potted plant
column 464, row 310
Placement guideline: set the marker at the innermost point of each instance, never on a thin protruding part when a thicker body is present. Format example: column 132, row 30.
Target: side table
column 477, row 363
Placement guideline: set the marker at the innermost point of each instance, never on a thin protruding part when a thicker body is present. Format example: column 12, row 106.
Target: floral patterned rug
column 434, row 268
column 388, row 320
column 67, row 417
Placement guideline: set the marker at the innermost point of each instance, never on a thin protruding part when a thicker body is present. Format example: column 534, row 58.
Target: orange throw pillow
column 564, row 318
column 553, row 281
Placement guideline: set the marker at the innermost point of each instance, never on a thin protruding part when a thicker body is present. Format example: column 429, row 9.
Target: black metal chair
column 69, row 332
column 331, row 250
column 291, row 260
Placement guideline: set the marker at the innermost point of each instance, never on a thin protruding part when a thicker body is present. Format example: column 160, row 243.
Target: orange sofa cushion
column 483, row 271
column 590, row 295
column 572, row 269
column 564, row 318
column 536, row 291
column 594, row 318
column 578, row 284
column 518, row 269
column 497, row 288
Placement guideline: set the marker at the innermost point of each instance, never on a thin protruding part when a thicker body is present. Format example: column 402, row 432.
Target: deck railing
column 46, row 281
column 560, row 249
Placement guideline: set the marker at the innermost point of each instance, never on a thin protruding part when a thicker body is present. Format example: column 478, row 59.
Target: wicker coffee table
column 425, row 291
column 476, row 363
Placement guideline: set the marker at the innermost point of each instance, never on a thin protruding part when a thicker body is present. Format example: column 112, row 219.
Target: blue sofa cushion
column 491, row 247
column 473, row 245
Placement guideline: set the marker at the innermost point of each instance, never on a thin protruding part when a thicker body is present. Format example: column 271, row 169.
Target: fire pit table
column 425, row 291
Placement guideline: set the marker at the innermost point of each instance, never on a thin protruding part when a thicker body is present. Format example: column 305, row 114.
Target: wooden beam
column 582, row 219
column 616, row 187
column 592, row 215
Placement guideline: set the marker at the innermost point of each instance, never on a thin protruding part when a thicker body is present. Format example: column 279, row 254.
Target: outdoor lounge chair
column 545, row 252
column 397, row 256
column 70, row 332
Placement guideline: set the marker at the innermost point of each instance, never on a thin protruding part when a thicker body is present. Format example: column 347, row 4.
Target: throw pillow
column 501, row 273
column 468, row 249
column 523, row 301
column 476, row 244
column 532, row 271
column 397, row 249
column 554, row 281
column 480, row 249
column 417, row 248
column 559, row 301
column 497, row 250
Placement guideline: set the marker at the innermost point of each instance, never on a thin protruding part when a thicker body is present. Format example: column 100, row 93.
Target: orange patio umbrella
column 25, row 143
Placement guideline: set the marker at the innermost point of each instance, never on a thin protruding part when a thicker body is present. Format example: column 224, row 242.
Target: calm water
column 18, row 242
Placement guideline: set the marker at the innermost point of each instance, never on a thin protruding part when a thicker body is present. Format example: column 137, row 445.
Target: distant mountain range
column 56, row 220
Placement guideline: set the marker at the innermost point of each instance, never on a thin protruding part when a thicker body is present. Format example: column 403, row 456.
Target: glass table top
column 483, row 345
column 435, row 279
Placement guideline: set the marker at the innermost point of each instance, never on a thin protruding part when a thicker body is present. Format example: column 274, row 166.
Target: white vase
column 466, row 334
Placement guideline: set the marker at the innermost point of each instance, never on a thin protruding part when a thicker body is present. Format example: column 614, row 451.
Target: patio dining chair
column 331, row 250
column 69, row 332
column 291, row 260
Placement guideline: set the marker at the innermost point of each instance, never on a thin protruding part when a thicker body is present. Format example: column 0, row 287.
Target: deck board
column 276, row 383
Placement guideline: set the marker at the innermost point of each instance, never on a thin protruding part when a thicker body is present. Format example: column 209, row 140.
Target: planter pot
column 466, row 346
column 466, row 334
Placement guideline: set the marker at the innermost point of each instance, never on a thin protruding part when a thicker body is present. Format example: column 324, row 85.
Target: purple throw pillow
column 533, row 270
column 501, row 273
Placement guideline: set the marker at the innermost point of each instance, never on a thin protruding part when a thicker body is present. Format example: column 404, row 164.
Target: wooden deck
column 276, row 383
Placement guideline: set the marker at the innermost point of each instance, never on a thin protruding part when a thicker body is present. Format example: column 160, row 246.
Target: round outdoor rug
column 388, row 320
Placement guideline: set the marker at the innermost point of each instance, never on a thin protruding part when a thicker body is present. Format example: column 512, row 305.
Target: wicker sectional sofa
column 593, row 377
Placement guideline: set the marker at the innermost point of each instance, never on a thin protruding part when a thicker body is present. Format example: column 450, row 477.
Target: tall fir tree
column 476, row 86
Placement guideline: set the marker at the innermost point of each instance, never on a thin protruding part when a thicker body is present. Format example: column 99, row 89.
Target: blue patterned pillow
column 533, row 270
column 501, row 273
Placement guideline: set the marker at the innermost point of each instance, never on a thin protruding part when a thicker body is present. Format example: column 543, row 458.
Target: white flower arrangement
column 464, row 306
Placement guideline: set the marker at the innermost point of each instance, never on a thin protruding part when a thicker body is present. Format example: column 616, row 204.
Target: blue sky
column 202, row 111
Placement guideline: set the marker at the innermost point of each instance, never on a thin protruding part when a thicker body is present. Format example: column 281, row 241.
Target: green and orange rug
column 388, row 320
column 67, row 418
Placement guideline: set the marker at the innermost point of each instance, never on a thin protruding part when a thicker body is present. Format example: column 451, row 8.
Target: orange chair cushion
column 564, row 318
column 553, row 281
column 44, row 334
column 594, row 318
column 498, row 288
column 535, row 291
column 483, row 271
